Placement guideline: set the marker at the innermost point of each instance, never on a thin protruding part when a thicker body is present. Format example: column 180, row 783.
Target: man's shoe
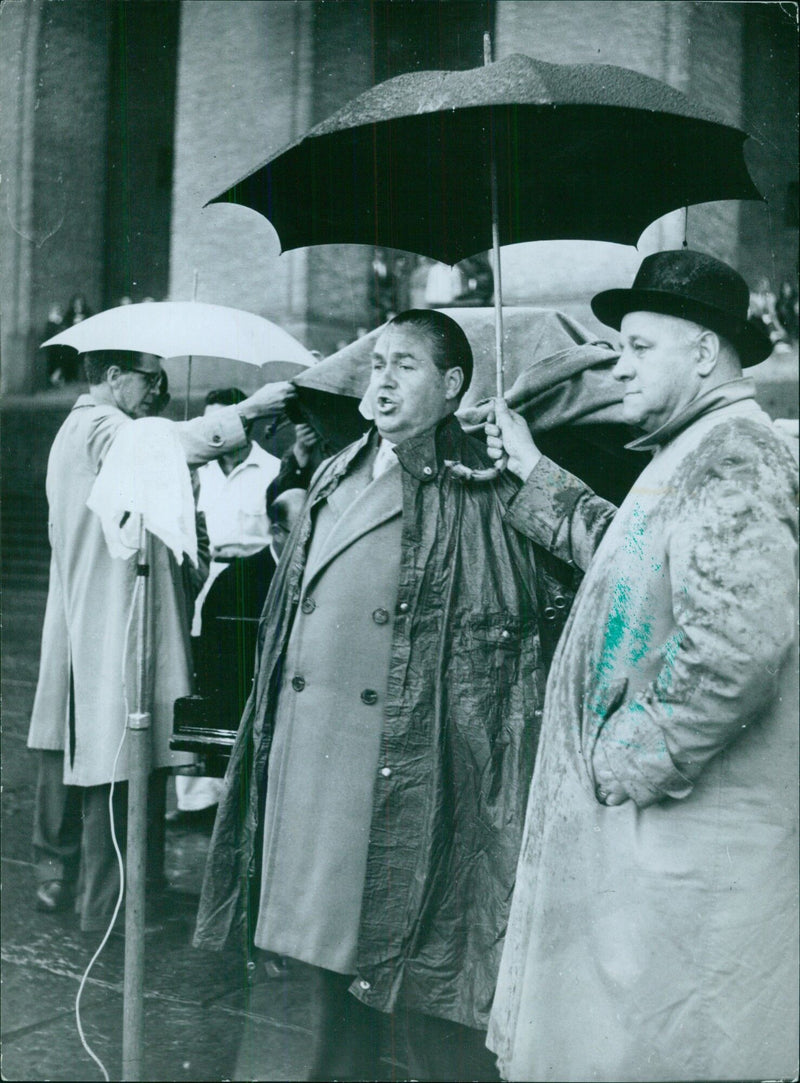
column 52, row 896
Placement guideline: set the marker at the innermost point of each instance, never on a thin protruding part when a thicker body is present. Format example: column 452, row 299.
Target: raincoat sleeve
column 202, row 438
column 561, row 513
column 732, row 566
column 206, row 438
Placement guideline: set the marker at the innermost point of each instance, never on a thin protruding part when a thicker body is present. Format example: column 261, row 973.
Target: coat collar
column 86, row 399
column 380, row 501
column 726, row 394
column 423, row 455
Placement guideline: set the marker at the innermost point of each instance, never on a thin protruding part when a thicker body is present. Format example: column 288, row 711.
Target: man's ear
column 112, row 375
column 453, row 382
column 707, row 349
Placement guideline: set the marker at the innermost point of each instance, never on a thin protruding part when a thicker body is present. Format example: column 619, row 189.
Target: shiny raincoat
column 478, row 611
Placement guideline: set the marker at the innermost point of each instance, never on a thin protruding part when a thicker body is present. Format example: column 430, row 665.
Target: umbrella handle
column 466, row 473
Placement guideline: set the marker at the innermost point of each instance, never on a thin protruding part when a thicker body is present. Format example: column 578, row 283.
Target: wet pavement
column 201, row 1007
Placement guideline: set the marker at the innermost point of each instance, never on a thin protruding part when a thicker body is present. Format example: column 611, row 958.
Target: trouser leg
column 345, row 1033
column 440, row 1050
column 99, row 864
column 56, row 821
column 156, row 826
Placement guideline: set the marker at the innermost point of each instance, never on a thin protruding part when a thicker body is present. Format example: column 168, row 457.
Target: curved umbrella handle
column 466, row 473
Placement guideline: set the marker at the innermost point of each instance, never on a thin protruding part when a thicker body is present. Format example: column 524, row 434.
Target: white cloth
column 384, row 459
column 145, row 477
column 235, row 504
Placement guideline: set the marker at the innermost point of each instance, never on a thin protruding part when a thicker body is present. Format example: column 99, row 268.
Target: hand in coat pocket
column 607, row 788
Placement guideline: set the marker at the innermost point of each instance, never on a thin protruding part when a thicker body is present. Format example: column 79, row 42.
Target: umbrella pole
column 498, row 281
column 457, row 469
column 188, row 389
column 189, row 367
column 138, row 724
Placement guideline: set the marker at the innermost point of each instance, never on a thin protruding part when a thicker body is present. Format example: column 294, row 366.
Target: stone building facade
column 122, row 119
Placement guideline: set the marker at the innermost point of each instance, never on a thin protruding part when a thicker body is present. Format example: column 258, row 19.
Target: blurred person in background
column 231, row 499
column 786, row 307
column 56, row 356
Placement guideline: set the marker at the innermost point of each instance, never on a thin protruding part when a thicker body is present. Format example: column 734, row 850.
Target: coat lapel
column 375, row 503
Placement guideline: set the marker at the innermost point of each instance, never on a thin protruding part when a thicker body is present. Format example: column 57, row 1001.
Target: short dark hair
column 225, row 396
column 97, row 363
column 451, row 348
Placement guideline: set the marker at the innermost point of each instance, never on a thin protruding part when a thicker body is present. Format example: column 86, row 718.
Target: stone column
column 53, row 138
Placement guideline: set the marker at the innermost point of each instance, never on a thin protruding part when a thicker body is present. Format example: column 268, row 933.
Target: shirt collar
column 743, row 387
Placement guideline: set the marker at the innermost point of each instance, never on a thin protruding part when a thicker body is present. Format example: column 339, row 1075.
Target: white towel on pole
column 145, row 476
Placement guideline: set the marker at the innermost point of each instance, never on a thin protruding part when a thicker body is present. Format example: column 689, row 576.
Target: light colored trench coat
column 79, row 704
column 658, row 939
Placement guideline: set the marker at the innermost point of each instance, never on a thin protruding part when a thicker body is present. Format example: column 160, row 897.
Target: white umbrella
column 189, row 328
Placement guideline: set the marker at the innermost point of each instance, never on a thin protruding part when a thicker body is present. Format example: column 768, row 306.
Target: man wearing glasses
column 79, row 710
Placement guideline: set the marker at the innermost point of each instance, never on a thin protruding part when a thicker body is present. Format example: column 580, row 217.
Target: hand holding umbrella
column 507, row 434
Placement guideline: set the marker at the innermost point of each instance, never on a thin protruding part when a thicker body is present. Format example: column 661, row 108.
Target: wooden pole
column 138, row 723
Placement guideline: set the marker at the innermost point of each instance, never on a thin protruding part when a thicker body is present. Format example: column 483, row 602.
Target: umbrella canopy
column 190, row 328
column 559, row 376
column 588, row 151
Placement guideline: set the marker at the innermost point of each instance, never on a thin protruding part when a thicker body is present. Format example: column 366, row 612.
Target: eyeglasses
column 153, row 378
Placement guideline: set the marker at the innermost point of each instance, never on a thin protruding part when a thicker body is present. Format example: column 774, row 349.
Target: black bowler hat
column 695, row 287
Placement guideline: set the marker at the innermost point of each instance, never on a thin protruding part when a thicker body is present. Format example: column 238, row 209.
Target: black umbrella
column 586, row 151
column 451, row 163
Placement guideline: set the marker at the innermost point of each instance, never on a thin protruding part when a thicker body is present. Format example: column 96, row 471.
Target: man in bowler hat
column 653, row 933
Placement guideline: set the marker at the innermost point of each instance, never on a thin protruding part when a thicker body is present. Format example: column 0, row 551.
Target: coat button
column 559, row 602
column 427, row 471
column 549, row 613
column 505, row 633
column 386, row 772
column 369, row 696
column 380, row 616
column 363, row 984
column 309, row 605
column 298, row 684
column 403, row 607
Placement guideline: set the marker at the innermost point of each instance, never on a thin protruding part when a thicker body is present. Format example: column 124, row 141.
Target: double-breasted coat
column 79, row 704
column 657, row 939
